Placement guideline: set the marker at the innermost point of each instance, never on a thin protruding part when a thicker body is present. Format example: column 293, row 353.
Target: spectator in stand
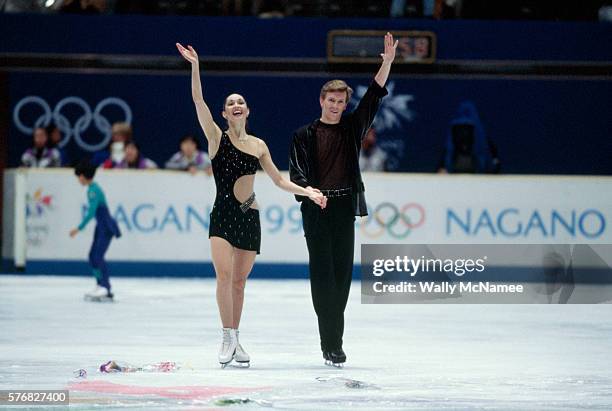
column 83, row 6
column 121, row 134
column 19, row 6
column 190, row 158
column 421, row 8
column 55, row 138
column 468, row 149
column 132, row 159
column 40, row 155
column 270, row 9
column 372, row 157
column 605, row 12
column 233, row 7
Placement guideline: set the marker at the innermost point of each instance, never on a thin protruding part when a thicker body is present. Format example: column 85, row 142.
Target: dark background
column 546, row 113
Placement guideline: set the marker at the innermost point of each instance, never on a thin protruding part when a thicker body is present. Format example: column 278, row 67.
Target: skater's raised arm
column 388, row 56
column 265, row 159
column 210, row 128
column 366, row 110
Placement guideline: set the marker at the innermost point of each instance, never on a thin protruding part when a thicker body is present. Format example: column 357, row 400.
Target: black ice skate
column 335, row 358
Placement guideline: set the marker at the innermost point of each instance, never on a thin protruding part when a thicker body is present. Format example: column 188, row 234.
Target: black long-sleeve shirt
column 304, row 169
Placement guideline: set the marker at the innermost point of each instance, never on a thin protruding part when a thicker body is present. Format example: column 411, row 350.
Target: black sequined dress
column 230, row 219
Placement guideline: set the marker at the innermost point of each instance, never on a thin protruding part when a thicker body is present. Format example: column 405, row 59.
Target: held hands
column 74, row 232
column 389, row 55
column 188, row 53
column 316, row 196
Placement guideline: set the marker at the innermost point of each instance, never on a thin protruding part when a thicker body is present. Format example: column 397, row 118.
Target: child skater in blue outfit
column 106, row 229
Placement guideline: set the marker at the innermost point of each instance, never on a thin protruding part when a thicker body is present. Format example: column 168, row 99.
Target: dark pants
column 330, row 236
column 102, row 239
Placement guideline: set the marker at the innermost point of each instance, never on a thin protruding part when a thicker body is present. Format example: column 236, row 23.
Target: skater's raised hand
column 188, row 53
column 74, row 232
column 205, row 118
column 389, row 55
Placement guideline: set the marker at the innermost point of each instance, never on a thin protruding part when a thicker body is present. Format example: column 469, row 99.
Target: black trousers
column 330, row 236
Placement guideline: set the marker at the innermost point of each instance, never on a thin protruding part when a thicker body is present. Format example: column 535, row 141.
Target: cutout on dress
column 243, row 188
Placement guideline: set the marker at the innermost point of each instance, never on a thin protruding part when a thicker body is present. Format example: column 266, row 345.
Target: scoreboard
column 365, row 46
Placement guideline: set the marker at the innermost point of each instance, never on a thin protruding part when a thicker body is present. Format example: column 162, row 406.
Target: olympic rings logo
column 80, row 125
column 397, row 222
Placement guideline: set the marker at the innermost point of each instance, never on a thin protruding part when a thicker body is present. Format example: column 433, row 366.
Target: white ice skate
column 99, row 294
column 241, row 357
column 228, row 347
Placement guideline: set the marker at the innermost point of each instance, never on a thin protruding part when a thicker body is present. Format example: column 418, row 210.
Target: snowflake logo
column 393, row 110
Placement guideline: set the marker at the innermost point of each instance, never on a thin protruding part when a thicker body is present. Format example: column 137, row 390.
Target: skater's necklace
column 241, row 139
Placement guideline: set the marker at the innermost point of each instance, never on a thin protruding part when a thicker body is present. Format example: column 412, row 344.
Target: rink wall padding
column 166, row 269
column 593, row 276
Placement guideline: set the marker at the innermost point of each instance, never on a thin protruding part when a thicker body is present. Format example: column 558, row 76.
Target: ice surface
column 409, row 357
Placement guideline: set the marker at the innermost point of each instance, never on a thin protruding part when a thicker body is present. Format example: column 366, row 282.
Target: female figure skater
column 235, row 233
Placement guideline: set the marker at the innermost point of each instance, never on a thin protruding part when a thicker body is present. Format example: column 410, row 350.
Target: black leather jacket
column 302, row 158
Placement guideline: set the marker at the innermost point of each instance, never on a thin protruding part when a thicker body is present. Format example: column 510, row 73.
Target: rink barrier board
column 164, row 217
column 267, row 271
column 157, row 269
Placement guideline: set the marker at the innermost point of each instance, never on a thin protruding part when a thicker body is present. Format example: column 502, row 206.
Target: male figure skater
column 106, row 229
column 325, row 154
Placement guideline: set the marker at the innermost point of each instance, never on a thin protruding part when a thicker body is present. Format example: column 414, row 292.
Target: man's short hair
column 336, row 85
column 124, row 129
column 85, row 169
column 190, row 137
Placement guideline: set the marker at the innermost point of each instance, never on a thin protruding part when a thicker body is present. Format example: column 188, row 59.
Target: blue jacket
column 481, row 152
